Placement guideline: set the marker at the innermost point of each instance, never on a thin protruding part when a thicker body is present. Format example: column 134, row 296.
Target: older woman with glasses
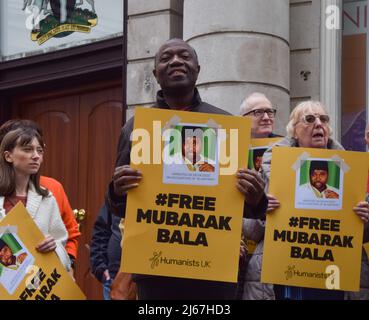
column 309, row 127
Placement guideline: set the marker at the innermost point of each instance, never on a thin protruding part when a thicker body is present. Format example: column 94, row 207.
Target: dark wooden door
column 81, row 130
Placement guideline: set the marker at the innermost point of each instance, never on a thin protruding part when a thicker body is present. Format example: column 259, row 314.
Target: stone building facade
column 288, row 49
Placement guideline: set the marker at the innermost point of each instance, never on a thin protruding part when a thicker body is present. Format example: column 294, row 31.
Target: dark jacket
column 105, row 249
column 154, row 287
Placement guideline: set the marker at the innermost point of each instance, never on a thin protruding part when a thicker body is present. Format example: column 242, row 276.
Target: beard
column 320, row 186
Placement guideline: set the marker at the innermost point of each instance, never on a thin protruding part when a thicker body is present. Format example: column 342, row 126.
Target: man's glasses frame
column 257, row 113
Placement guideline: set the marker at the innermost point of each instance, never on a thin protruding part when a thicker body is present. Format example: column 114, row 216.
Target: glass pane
column 29, row 27
column 354, row 84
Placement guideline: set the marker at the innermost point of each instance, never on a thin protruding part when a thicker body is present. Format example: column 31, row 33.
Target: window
column 354, row 74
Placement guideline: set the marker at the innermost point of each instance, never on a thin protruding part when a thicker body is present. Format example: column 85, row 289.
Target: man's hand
column 206, row 167
column 125, row 178
column 273, row 203
column 330, row 194
column 362, row 210
column 250, row 184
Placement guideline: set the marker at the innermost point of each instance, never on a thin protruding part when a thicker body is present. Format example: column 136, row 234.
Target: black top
column 105, row 249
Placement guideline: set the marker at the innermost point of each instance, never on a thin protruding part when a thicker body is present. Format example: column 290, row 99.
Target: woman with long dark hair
column 21, row 155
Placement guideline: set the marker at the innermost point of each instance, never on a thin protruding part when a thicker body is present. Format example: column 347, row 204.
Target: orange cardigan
column 66, row 213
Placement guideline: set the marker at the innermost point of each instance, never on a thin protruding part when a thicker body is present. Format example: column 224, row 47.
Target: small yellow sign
column 257, row 149
column 264, row 142
column 26, row 274
column 315, row 238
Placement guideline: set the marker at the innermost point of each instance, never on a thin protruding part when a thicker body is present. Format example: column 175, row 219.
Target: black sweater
column 105, row 249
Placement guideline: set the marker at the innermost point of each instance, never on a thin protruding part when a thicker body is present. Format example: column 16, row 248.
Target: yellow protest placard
column 264, row 142
column 184, row 219
column 257, row 149
column 30, row 275
column 315, row 239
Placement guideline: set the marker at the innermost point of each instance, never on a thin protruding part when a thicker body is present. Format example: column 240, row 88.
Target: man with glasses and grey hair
column 259, row 107
column 262, row 112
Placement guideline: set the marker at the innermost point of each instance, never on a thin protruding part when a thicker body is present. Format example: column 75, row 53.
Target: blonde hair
column 299, row 111
column 249, row 101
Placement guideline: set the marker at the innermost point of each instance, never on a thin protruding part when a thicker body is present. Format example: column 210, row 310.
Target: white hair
column 299, row 111
column 247, row 104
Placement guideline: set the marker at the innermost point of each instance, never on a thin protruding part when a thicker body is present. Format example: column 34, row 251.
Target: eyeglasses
column 310, row 118
column 260, row 113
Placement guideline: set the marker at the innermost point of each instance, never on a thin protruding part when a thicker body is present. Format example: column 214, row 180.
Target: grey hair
column 300, row 110
column 248, row 102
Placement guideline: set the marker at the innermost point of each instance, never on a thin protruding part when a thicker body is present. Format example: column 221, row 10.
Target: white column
column 243, row 46
column 330, row 62
column 150, row 24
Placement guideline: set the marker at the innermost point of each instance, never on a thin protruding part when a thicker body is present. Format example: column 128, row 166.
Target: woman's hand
column 362, row 210
column 47, row 245
column 273, row 203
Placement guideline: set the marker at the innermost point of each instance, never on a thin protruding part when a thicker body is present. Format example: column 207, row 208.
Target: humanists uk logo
column 331, row 275
column 158, row 258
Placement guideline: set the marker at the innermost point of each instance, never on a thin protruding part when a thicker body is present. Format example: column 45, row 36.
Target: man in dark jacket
column 105, row 249
column 176, row 71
